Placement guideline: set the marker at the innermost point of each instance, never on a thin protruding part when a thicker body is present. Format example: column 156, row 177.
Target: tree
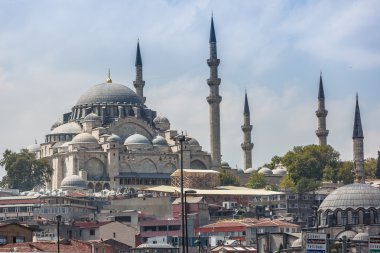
column 377, row 172
column 370, row 165
column 24, row 171
column 287, row 184
column 226, row 177
column 310, row 161
column 274, row 161
column 306, row 185
column 345, row 174
column 256, row 181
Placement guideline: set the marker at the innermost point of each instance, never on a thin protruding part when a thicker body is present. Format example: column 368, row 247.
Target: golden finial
column 109, row 80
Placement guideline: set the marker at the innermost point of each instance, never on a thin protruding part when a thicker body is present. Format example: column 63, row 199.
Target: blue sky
column 53, row 51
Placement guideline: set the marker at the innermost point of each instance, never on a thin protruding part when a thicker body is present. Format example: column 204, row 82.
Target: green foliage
column 274, row 161
column 24, row 171
column 287, row 184
column 226, row 177
column 306, row 185
column 377, row 172
column 370, row 165
column 345, row 174
column 256, row 181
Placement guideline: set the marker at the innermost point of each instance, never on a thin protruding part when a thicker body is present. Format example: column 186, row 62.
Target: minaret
column 321, row 113
column 247, row 145
column 214, row 100
column 357, row 138
column 139, row 83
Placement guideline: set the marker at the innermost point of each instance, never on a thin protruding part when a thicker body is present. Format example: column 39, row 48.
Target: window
column 18, row 239
column 114, row 235
column 92, row 231
column 3, row 240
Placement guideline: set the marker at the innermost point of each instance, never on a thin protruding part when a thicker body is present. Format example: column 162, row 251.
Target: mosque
column 112, row 140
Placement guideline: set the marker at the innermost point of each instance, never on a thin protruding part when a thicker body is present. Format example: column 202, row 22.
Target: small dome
column 297, row 243
column 353, row 196
column 73, row 181
column 68, row 128
column 66, row 144
column 136, row 139
column 34, row 148
column 279, row 171
column 56, row 124
column 92, row 117
column 114, row 138
column 84, row 138
column 361, row 237
column 250, row 170
column 193, row 142
column 224, row 164
column 160, row 119
column 266, row 171
column 159, row 141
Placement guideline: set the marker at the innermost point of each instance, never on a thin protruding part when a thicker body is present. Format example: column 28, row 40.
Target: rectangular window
column 92, row 231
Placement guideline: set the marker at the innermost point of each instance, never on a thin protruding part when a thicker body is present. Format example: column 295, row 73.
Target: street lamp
column 186, row 230
column 59, row 218
column 181, row 139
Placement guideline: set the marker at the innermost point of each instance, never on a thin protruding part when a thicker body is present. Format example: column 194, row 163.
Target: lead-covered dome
column 266, row 171
column 84, row 138
column 68, row 128
column 159, row 141
column 352, row 196
column 137, row 139
column 73, row 182
column 109, row 93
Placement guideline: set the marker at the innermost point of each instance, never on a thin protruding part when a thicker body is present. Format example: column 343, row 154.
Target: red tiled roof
column 74, row 246
column 91, row 224
column 227, row 223
column 274, row 223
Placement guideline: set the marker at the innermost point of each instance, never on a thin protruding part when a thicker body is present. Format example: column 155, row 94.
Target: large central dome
column 109, row 93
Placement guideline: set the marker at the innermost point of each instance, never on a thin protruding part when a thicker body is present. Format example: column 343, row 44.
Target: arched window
column 355, row 218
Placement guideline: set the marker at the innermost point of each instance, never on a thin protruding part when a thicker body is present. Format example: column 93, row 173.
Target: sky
column 51, row 52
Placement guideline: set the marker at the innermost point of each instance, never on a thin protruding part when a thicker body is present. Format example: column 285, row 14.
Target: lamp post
column 59, row 218
column 186, row 230
column 180, row 139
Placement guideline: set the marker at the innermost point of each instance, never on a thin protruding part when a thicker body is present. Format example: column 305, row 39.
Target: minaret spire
column 109, row 80
column 321, row 113
column 247, row 145
column 357, row 138
column 139, row 83
column 214, row 100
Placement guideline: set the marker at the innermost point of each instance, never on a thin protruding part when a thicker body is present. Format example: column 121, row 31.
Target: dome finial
column 109, row 80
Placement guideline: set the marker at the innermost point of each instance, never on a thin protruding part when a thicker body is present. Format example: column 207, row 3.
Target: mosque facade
column 112, row 140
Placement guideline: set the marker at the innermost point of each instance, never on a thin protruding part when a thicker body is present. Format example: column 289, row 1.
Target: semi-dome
column 73, row 182
column 250, row 170
column 84, row 138
column 137, row 139
column 109, row 93
column 352, row 196
column 159, row 141
column 297, row 243
column 349, row 234
column 361, row 237
column 68, row 128
column 114, row 138
column 92, row 117
column 160, row 119
column 266, row 171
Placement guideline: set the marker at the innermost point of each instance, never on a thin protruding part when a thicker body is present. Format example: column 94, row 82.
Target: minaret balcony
column 321, row 113
column 321, row 132
column 213, row 62
column 247, row 146
column 246, row 128
column 214, row 99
